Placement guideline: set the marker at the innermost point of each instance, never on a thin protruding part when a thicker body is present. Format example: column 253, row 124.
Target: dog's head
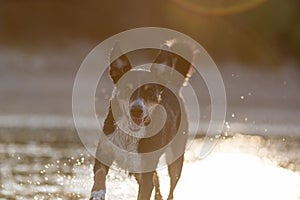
column 136, row 100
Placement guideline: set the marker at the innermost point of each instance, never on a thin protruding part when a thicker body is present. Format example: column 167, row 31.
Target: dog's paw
column 98, row 195
column 158, row 197
column 170, row 197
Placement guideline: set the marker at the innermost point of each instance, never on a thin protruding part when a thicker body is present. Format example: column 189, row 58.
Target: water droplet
column 232, row 115
column 217, row 136
column 242, row 97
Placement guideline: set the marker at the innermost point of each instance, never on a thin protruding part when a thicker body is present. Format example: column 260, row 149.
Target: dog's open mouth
column 140, row 121
column 136, row 123
column 137, row 120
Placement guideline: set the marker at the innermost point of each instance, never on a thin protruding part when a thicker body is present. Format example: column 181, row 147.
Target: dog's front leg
column 174, row 173
column 99, row 187
column 158, row 195
column 145, row 185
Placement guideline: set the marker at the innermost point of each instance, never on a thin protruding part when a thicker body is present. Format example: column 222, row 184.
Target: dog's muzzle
column 138, row 113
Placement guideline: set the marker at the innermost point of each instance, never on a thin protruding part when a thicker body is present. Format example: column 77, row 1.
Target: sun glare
column 237, row 176
column 232, row 174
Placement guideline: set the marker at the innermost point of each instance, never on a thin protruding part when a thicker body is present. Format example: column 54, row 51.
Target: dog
column 140, row 111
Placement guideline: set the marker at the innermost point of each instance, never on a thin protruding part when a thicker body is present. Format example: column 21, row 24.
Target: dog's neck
column 122, row 125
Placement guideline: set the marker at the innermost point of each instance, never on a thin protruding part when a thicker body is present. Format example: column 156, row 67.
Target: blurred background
column 255, row 44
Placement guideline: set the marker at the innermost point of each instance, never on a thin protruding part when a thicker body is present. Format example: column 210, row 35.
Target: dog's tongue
column 137, row 121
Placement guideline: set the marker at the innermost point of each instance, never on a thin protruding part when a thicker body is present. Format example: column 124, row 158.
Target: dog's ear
column 163, row 64
column 185, row 68
column 174, row 62
column 164, row 57
column 119, row 65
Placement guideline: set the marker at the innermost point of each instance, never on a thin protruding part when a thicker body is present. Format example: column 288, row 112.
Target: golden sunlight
column 237, row 176
column 235, row 171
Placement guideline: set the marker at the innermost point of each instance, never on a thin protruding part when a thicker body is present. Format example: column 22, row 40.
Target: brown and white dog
column 137, row 113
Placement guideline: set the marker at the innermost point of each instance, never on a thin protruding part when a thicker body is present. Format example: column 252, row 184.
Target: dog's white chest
column 121, row 146
column 124, row 141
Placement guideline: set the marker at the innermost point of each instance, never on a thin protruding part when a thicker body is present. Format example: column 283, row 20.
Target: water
column 39, row 168
column 41, row 156
column 53, row 164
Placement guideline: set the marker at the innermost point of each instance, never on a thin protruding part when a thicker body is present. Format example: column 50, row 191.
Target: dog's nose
column 136, row 111
column 137, row 108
